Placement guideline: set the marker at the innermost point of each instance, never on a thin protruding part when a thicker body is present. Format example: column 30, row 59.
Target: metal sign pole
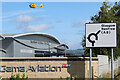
column 90, row 64
column 112, row 70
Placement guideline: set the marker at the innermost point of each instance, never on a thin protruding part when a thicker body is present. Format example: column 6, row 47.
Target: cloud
column 41, row 27
column 24, row 22
column 27, row 19
column 74, row 45
column 24, row 19
column 79, row 24
column 22, row 26
column 11, row 14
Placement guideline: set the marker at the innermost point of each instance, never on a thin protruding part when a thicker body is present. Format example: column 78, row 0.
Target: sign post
column 112, row 68
column 90, row 64
column 101, row 35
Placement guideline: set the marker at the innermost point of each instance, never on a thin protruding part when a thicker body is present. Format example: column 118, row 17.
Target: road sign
column 101, row 35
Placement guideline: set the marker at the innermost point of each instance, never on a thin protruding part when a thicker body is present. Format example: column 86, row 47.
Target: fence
column 104, row 64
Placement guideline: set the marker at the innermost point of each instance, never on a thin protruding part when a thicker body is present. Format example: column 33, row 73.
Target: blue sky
column 64, row 20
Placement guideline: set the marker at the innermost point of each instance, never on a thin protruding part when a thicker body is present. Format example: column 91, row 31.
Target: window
column 42, row 51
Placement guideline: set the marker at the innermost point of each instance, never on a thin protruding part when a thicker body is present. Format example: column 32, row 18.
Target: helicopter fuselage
column 33, row 6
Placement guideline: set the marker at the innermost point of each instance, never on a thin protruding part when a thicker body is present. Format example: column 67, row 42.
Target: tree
column 109, row 14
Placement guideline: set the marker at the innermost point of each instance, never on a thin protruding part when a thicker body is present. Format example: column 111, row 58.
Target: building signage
column 38, row 68
column 38, row 42
column 101, row 35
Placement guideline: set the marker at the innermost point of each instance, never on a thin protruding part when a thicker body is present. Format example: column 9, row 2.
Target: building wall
column 2, row 53
column 32, row 43
column 1, row 47
column 25, row 46
column 79, row 66
column 22, row 51
column 41, row 41
column 7, row 44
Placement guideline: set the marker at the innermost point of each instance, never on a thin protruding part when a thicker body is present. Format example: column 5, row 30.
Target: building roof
column 1, row 36
column 8, row 35
column 25, row 34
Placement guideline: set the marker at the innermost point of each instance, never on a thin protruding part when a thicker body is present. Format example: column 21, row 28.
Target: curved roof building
column 31, row 45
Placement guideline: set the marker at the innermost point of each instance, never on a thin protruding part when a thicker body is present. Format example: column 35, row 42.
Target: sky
column 64, row 20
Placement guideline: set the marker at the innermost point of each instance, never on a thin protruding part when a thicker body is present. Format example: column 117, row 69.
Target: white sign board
column 101, row 35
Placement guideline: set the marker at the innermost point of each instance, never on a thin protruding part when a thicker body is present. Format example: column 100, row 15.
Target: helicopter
column 34, row 5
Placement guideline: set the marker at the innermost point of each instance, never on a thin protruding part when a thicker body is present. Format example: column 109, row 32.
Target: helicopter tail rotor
column 41, row 5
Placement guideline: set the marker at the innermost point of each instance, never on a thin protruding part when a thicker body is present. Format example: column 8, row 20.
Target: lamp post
column 49, row 48
column 65, row 50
